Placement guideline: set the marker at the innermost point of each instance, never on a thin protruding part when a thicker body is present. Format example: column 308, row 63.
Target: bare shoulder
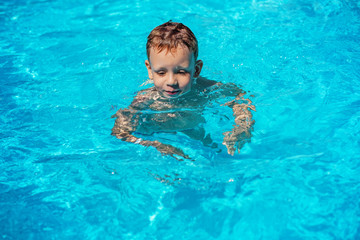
column 219, row 89
column 143, row 99
column 227, row 87
column 204, row 83
column 231, row 89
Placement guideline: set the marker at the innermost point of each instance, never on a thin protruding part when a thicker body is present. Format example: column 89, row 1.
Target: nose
column 171, row 81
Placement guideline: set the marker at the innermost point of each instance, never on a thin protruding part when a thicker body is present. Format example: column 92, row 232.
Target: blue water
column 66, row 67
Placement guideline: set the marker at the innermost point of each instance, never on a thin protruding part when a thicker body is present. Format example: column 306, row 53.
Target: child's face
column 173, row 71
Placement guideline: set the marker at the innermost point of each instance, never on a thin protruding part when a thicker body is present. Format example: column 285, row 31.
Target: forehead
column 178, row 54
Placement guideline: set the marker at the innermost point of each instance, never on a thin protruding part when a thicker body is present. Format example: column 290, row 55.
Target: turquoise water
column 66, row 68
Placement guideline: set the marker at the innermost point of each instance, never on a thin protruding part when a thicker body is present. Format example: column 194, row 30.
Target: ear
column 148, row 66
column 198, row 67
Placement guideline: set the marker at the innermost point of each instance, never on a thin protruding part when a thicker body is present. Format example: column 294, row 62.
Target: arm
column 125, row 125
column 241, row 132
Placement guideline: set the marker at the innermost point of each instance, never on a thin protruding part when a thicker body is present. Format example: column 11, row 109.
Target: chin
column 172, row 96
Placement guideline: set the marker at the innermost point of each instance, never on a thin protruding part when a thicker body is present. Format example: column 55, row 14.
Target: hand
column 167, row 149
column 235, row 139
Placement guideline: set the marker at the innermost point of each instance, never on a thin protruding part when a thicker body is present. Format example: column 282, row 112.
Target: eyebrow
column 177, row 68
column 160, row 69
column 182, row 68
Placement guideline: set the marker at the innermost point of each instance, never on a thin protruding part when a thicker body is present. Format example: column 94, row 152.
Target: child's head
column 170, row 35
column 172, row 51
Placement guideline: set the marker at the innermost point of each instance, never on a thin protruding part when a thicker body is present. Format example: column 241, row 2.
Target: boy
column 172, row 65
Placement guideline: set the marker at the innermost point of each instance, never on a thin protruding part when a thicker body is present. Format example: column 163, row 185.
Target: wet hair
column 169, row 36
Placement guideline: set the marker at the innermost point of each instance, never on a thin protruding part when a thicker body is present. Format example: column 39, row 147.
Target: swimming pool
column 66, row 68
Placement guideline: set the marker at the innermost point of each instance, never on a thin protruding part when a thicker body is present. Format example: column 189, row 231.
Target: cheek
column 158, row 82
column 185, row 83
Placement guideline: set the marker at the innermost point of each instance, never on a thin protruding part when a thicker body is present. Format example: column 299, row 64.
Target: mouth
column 173, row 93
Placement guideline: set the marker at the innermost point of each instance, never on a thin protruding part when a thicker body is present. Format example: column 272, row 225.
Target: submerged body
column 151, row 113
column 172, row 114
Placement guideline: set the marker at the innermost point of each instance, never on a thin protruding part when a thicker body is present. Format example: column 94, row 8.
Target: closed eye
column 182, row 72
column 161, row 73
